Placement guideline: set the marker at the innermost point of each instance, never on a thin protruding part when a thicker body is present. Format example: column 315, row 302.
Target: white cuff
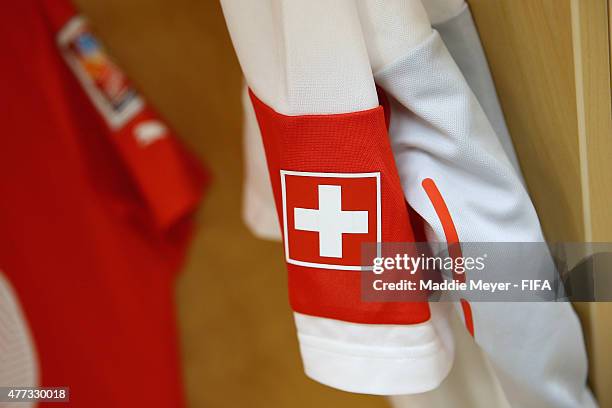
column 374, row 359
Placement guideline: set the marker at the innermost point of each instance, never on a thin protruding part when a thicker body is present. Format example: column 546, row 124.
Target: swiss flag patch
column 328, row 216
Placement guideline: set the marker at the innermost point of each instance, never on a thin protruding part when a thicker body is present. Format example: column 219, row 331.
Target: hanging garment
column 480, row 389
column 390, row 36
column 94, row 216
column 306, row 115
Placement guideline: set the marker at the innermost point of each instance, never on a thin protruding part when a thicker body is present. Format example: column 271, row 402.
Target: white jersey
column 446, row 125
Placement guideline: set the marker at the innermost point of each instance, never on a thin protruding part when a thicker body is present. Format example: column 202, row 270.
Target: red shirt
column 95, row 194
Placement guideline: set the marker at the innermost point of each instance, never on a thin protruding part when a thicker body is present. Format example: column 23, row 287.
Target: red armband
column 336, row 188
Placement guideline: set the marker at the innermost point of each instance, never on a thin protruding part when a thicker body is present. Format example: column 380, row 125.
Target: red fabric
column 80, row 235
column 159, row 172
column 345, row 143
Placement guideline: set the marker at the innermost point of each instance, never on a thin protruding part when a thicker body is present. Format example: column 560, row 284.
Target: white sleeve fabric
column 440, row 132
column 309, row 57
column 296, row 69
column 18, row 360
column 440, row 11
column 470, row 384
column 258, row 208
column 462, row 41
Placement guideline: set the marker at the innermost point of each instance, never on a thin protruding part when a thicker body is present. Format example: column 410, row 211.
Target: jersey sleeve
column 330, row 161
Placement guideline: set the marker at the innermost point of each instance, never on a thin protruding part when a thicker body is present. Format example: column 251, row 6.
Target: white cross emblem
column 327, row 203
column 330, row 221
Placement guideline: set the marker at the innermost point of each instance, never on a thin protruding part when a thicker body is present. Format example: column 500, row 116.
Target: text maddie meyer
column 455, row 285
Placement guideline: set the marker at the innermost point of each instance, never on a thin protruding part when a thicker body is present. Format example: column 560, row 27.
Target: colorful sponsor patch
column 108, row 87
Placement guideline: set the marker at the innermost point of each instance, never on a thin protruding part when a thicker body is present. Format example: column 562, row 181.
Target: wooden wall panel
column 592, row 61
